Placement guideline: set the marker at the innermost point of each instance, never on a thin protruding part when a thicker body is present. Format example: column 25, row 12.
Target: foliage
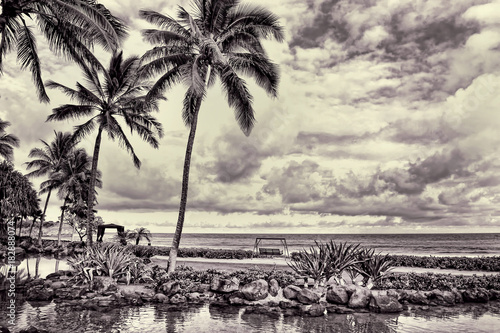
column 149, row 251
column 371, row 266
column 124, row 236
column 140, row 272
column 78, row 222
column 140, row 233
column 7, row 141
column 108, row 260
column 324, row 261
column 18, row 198
column 70, row 27
column 490, row 264
column 430, row 281
column 21, row 277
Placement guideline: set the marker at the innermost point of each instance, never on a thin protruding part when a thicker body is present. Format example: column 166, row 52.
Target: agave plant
column 342, row 257
column 139, row 272
column 373, row 266
column 313, row 263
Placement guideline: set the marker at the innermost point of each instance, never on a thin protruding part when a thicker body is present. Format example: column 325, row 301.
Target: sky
column 386, row 122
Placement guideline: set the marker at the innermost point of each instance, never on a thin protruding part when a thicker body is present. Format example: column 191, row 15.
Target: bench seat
column 268, row 251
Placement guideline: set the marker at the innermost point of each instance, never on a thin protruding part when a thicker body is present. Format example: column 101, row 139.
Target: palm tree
column 71, row 27
column 124, row 236
column 73, row 180
column 7, row 141
column 119, row 95
column 47, row 161
column 140, row 233
column 220, row 39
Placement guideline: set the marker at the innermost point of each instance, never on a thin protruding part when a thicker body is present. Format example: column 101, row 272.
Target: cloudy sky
column 387, row 121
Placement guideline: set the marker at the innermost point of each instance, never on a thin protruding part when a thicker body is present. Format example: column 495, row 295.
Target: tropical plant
column 342, row 256
column 18, row 198
column 7, row 141
column 101, row 259
column 124, row 236
column 140, row 233
column 219, row 39
column 71, row 27
column 140, row 272
column 313, row 263
column 121, row 94
column 371, row 266
column 47, row 161
column 73, row 180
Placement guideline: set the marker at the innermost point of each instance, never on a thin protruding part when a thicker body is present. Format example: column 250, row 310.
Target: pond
column 210, row 318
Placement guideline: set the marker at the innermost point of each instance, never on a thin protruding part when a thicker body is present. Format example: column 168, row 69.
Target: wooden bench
column 268, row 251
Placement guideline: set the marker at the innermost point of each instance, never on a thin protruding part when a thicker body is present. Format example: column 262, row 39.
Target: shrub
column 490, row 264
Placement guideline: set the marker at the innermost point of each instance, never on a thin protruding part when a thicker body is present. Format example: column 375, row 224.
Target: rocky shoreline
column 258, row 296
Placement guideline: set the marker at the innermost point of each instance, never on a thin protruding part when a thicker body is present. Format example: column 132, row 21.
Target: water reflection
column 40, row 266
column 212, row 318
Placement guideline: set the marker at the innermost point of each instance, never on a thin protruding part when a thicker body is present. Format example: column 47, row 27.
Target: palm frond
column 116, row 130
column 28, row 57
column 70, row 111
column 259, row 19
column 83, row 130
column 164, row 22
column 258, row 66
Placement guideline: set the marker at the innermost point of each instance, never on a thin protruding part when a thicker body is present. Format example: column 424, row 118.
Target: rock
column 255, row 290
column 340, row 309
column 417, row 297
column 458, row 296
column 313, row 310
column 308, row 296
column 147, row 295
column 291, row 292
column 55, row 275
column 39, row 293
column 177, row 298
column 442, row 297
column 58, row 285
column 104, row 301
column 287, row 304
column 350, row 289
column 194, row 297
column 19, row 251
column 203, row 288
column 160, row 298
column 494, row 294
column 236, row 300
column 359, row 298
column 476, row 295
column 274, row 287
column 225, row 285
column 337, row 295
column 102, row 283
column 68, row 293
column 33, row 329
column 170, row 288
column 49, row 249
column 385, row 304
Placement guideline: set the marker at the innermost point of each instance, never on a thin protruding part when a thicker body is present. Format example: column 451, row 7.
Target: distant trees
column 18, row 198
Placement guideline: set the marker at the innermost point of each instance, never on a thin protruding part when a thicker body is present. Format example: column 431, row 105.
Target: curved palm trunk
column 91, row 196
column 32, row 225
column 42, row 219
column 62, row 219
column 172, row 258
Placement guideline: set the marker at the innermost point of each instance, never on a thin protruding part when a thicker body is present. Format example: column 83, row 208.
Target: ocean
column 471, row 244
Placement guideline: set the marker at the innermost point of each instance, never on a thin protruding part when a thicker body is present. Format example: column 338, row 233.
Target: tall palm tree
column 73, row 180
column 7, row 141
column 47, row 161
column 219, row 39
column 140, row 233
column 119, row 95
column 71, row 27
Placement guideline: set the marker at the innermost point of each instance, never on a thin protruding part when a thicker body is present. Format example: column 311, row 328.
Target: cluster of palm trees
column 218, row 39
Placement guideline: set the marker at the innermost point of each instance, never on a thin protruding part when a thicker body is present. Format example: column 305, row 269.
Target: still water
column 209, row 318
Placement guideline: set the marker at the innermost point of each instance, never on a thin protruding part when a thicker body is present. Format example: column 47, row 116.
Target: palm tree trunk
column 172, row 258
column 62, row 219
column 42, row 219
column 91, row 196
column 32, row 225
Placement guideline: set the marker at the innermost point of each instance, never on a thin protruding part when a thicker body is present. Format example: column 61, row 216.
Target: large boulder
column 476, row 295
column 58, row 285
column 39, row 293
column 385, row 304
column 225, row 285
column 177, row 298
column 308, row 296
column 313, row 310
column 160, row 298
column 69, row 293
column 359, row 298
column 291, row 292
column 255, row 290
column 442, row 297
column 337, row 295
column 103, row 283
column 274, row 287
column 417, row 297
column 170, row 288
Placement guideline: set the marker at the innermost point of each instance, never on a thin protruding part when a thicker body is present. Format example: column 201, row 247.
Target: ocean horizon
column 436, row 244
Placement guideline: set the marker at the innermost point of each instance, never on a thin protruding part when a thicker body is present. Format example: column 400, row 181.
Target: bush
column 490, row 264
column 430, row 281
column 149, row 251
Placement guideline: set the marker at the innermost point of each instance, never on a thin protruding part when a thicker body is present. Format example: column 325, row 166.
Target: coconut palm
column 113, row 94
column 47, row 161
column 219, row 39
column 73, row 181
column 71, row 27
column 140, row 233
column 7, row 141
